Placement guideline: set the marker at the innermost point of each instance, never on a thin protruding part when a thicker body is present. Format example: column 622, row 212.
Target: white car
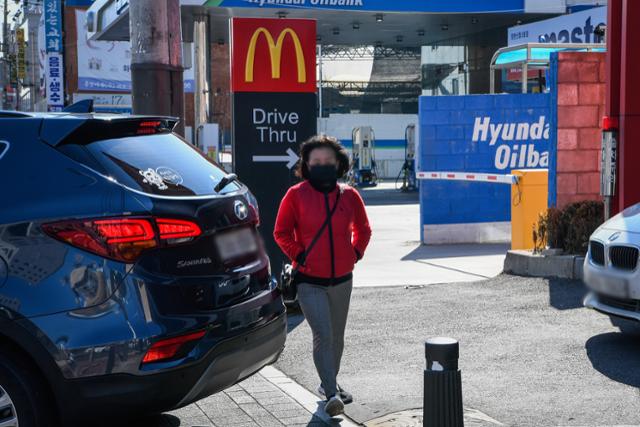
column 611, row 266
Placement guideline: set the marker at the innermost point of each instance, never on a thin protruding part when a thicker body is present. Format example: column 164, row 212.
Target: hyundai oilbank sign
column 483, row 134
column 514, row 142
column 431, row 6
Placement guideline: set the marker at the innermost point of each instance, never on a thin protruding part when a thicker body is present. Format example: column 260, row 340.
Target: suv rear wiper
column 226, row 180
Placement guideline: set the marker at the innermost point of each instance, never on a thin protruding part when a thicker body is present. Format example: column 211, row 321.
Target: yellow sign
column 22, row 66
column 275, row 53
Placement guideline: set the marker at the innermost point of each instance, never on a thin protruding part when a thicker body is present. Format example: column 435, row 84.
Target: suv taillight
column 171, row 229
column 123, row 239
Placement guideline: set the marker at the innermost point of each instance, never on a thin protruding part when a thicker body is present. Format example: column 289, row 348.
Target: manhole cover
column 413, row 418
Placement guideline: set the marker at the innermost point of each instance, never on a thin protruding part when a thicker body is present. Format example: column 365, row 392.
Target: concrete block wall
column 447, row 144
column 580, row 91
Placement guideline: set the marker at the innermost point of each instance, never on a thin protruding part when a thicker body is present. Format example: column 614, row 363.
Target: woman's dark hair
column 322, row 141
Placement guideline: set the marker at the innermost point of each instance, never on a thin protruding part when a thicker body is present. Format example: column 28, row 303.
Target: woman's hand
column 301, row 258
column 358, row 254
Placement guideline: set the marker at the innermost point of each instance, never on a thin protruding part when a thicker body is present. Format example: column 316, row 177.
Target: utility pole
column 201, row 90
column 156, row 58
column 5, row 29
column 5, row 76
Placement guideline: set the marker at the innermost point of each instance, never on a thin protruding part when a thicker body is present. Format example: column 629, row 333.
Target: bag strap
column 322, row 228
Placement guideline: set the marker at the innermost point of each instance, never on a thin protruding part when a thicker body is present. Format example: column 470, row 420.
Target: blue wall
column 479, row 133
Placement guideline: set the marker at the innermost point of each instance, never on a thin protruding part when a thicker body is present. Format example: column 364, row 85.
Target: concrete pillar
column 629, row 105
column 623, row 86
column 156, row 59
column 5, row 73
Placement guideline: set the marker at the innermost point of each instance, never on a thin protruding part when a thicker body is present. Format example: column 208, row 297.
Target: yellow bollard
column 529, row 198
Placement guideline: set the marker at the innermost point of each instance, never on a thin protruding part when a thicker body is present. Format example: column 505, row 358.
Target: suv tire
column 23, row 394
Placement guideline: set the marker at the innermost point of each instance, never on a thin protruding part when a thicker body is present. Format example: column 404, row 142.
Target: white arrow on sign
column 291, row 158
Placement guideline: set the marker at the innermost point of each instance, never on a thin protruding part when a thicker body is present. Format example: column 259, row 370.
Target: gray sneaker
column 345, row 396
column 334, row 406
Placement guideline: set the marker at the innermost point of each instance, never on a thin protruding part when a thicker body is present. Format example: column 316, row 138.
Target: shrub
column 581, row 220
column 568, row 229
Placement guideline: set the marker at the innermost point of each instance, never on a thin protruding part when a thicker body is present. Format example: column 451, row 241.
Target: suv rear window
column 161, row 164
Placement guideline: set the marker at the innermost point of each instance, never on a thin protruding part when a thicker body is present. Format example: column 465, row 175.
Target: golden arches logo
column 275, row 53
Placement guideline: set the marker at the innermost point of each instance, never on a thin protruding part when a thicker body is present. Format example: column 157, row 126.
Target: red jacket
column 303, row 211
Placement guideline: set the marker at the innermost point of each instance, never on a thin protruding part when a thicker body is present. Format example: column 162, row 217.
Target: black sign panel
column 268, row 130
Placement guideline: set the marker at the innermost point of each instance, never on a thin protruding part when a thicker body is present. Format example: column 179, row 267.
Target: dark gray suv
column 132, row 276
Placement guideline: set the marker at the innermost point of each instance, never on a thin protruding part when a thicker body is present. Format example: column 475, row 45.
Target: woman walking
column 324, row 261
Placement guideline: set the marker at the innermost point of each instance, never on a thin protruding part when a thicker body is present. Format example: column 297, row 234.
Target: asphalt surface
column 530, row 354
column 396, row 257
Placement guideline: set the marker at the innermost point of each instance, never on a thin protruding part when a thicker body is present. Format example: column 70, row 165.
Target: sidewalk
column 268, row 399
column 395, row 220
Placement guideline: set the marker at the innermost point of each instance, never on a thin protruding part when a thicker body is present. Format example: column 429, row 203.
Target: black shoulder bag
column 287, row 284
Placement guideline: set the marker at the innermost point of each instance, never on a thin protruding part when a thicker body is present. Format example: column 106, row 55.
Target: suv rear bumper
column 227, row 363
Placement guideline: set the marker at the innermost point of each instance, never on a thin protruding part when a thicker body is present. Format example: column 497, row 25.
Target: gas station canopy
column 534, row 56
column 406, row 23
column 538, row 53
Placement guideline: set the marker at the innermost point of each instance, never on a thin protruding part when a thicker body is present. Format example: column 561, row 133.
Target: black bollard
column 442, row 384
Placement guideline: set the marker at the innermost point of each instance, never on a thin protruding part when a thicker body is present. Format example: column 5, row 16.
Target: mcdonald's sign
column 273, row 55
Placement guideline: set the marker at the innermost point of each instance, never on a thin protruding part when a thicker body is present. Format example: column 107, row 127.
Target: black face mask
column 323, row 177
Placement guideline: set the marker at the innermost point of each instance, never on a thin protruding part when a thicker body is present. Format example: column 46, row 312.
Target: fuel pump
column 408, row 171
column 363, row 171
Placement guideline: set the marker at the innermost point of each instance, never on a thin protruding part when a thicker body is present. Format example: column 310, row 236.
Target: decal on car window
column 4, row 147
column 169, row 175
column 152, row 177
column 159, row 164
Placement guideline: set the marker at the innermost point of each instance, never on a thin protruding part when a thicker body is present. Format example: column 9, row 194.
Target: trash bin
column 529, row 198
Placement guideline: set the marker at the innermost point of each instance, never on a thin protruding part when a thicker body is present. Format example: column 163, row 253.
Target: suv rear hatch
column 197, row 248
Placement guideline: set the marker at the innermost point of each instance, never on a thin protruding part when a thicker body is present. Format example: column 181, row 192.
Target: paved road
column 531, row 355
column 395, row 256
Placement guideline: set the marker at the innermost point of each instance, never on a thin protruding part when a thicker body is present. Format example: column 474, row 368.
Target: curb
column 526, row 263
column 304, row 397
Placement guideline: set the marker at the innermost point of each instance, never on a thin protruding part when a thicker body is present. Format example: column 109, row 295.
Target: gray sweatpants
column 326, row 309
